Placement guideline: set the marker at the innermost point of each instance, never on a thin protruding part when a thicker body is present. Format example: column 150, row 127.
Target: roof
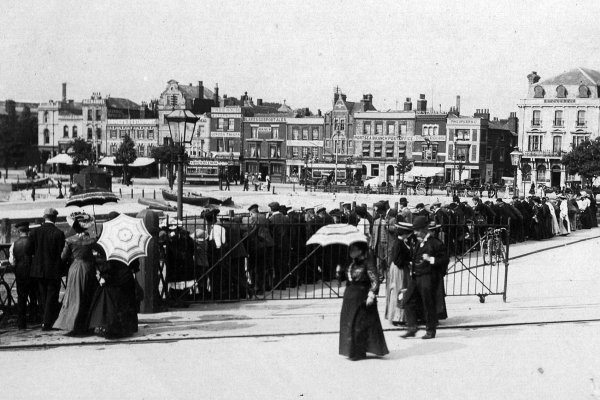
column 191, row 92
column 19, row 106
column 121, row 103
column 577, row 76
column 284, row 108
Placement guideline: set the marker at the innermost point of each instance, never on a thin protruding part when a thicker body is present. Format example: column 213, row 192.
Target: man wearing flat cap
column 260, row 254
column 20, row 259
column 47, row 243
column 404, row 212
column 429, row 265
column 279, row 227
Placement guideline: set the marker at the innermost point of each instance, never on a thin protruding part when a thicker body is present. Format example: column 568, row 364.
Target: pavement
column 537, row 293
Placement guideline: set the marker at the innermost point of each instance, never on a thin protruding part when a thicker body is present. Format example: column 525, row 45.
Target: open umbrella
column 343, row 234
column 124, row 239
column 96, row 198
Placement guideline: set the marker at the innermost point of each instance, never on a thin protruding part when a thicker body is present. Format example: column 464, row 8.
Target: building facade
column 465, row 137
column 264, row 146
column 144, row 133
column 304, row 148
column 225, row 141
column 557, row 114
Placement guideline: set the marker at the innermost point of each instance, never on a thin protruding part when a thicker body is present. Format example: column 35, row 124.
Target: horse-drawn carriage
column 472, row 187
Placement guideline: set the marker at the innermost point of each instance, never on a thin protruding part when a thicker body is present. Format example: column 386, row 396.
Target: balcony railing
column 543, row 153
column 559, row 123
column 536, row 122
column 580, row 124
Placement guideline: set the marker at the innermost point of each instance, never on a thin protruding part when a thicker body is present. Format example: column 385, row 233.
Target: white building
column 558, row 114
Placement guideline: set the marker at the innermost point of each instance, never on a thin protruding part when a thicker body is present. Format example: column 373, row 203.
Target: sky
column 296, row 50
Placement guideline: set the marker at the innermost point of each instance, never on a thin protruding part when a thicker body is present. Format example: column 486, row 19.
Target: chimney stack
column 319, row 113
column 408, row 104
column 259, row 102
column 200, row 90
column 216, row 95
column 421, row 103
column 457, row 105
column 64, row 92
column 336, row 96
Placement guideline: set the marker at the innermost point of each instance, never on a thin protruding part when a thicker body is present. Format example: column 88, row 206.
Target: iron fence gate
column 241, row 265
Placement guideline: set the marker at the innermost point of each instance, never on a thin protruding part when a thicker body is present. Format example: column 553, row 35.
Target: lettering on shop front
column 217, row 134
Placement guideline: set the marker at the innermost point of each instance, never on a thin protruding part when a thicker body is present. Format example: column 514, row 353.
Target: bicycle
column 492, row 248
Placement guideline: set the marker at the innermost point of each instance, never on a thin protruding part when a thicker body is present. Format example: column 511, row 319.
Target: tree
column 126, row 155
column 584, row 160
column 404, row 165
column 80, row 151
column 166, row 155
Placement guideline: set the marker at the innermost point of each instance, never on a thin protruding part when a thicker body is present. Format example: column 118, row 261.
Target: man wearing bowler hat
column 47, row 243
column 429, row 264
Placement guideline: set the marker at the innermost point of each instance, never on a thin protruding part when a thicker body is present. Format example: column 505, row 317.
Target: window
column 561, row 92
column 391, row 129
column 536, row 121
column 295, row 152
column 501, row 155
column 557, row 144
column 584, row 92
column 541, row 173
column 389, row 149
column 45, row 116
column 366, row 149
column 113, row 133
column 295, row 133
column 558, row 118
column 379, row 128
column 172, row 100
column 474, row 153
column 429, row 130
column 450, row 155
column 74, row 131
column 538, row 92
column 367, row 128
column 375, row 170
column 304, row 133
column 304, row 152
column 220, row 145
column 140, row 134
column 474, row 133
column 275, row 132
column 98, row 115
column 254, row 132
column 46, row 136
column 141, row 150
column 221, row 124
column 89, row 133
column 535, row 143
column 377, row 149
column 462, row 152
column 253, row 152
column 581, row 118
column 231, row 124
column 315, row 133
column 230, row 145
column 200, row 131
column 90, row 114
column 429, row 152
column 461, row 134
column 402, row 127
column 277, row 169
column 113, row 149
column 99, row 133
column 342, row 124
column 274, row 151
column 151, row 133
column 578, row 139
column 122, row 133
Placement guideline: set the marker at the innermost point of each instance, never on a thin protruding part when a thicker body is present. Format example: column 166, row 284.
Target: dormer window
column 561, row 92
column 584, row 92
column 538, row 92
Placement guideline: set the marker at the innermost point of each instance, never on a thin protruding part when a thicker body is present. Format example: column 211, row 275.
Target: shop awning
column 61, row 159
column 107, row 162
column 420, row 171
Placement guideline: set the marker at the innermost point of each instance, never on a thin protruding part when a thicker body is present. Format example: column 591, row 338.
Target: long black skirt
column 113, row 313
column 360, row 327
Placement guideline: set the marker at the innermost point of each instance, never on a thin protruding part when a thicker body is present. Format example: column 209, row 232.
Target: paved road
column 543, row 343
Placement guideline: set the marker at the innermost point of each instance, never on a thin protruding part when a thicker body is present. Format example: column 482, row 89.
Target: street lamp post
column 181, row 124
column 515, row 159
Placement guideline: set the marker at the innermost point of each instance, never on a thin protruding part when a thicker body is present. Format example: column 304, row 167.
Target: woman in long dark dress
column 360, row 327
column 113, row 313
column 81, row 279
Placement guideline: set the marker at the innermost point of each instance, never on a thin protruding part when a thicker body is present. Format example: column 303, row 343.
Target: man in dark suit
column 20, row 258
column 428, row 266
column 280, row 226
column 47, row 243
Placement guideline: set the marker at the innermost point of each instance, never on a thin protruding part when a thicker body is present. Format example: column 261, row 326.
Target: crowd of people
column 100, row 295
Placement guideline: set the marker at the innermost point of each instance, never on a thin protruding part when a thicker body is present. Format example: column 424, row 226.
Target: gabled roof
column 191, row 92
column 577, row 76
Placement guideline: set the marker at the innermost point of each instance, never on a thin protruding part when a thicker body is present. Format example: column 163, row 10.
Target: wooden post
column 154, row 194
column 5, row 227
column 148, row 277
column 132, row 193
column 143, row 193
column 353, row 205
column 120, row 193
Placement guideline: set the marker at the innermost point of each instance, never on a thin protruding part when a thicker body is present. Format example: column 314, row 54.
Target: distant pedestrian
column 268, row 179
column 246, row 183
column 32, row 192
column 227, row 182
